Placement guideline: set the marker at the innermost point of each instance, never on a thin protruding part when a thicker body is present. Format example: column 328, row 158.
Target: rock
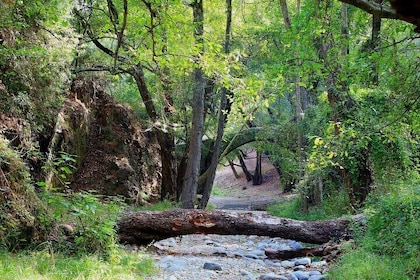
column 300, row 275
column 314, row 272
column 171, row 278
column 245, row 273
column 299, row 268
column 292, row 277
column 303, row 261
column 319, row 264
column 170, row 264
column 260, row 262
column 221, row 252
column 212, row 266
column 295, row 245
column 256, row 254
column 287, row 264
column 271, row 277
column 317, row 277
column 268, row 262
column 262, row 245
column 170, row 242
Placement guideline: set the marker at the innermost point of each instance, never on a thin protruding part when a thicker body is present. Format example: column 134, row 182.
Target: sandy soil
column 236, row 193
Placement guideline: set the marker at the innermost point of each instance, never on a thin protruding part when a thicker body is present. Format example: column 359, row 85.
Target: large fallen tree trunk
column 145, row 226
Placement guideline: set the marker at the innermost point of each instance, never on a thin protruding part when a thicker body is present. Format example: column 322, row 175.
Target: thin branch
column 102, row 69
column 407, row 109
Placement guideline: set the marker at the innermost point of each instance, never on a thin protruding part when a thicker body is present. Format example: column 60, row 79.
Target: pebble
column 241, row 257
column 303, row 261
column 287, row 264
column 317, row 277
column 301, row 275
column 271, row 277
column 212, row 266
column 319, row 264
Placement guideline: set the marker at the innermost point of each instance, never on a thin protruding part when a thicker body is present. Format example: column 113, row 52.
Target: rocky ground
column 234, row 257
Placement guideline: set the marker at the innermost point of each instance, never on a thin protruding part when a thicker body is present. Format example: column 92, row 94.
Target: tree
column 189, row 186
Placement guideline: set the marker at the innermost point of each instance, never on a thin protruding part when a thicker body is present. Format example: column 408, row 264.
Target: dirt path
column 238, row 194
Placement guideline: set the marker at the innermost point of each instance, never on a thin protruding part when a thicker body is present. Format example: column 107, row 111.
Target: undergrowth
column 47, row 265
column 330, row 208
column 159, row 206
column 389, row 247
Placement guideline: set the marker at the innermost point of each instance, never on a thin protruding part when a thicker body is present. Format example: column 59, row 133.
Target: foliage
column 88, row 222
column 19, row 204
column 45, row 264
column 363, row 264
column 35, row 55
column 328, row 210
column 159, row 206
column 390, row 244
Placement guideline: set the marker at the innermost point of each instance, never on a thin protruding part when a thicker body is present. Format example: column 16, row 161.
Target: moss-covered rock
column 20, row 208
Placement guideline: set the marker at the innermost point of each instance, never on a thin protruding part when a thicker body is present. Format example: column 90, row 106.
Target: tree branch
column 373, row 8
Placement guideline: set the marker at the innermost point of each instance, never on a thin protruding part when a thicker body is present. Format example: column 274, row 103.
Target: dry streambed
column 201, row 257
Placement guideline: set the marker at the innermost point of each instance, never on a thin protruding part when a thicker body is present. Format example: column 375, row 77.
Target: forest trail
column 230, row 193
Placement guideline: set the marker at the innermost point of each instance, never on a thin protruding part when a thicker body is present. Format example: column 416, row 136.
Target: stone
column 171, row 264
column 256, row 254
column 287, row 264
column 295, row 245
column 319, row 264
column 303, row 261
column 271, row 277
column 299, row 268
column 171, row 278
column 292, row 277
column 314, row 272
column 300, row 275
column 317, row 277
column 245, row 273
column 262, row 245
column 221, row 251
column 212, row 266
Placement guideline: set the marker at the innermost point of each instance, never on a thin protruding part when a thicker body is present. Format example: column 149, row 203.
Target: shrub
column 89, row 221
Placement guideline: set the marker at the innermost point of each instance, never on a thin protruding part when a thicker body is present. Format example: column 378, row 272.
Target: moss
column 20, row 207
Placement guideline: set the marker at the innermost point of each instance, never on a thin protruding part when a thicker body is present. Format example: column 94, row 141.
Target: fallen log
column 321, row 251
column 146, row 226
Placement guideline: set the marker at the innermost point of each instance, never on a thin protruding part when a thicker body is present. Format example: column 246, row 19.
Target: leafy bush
column 19, row 204
column 333, row 206
column 389, row 246
column 394, row 226
column 89, row 223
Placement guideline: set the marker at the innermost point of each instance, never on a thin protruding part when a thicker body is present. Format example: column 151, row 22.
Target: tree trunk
column 257, row 178
column 189, row 186
column 232, row 166
column 147, row 226
column 165, row 140
column 248, row 174
column 224, row 107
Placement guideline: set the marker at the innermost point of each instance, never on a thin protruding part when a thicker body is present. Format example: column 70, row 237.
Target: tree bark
column 165, row 140
column 257, row 178
column 324, row 250
column 147, row 226
column 248, row 174
column 189, row 186
column 224, row 108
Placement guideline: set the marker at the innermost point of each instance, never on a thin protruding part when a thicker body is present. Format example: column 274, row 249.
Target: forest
column 110, row 108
